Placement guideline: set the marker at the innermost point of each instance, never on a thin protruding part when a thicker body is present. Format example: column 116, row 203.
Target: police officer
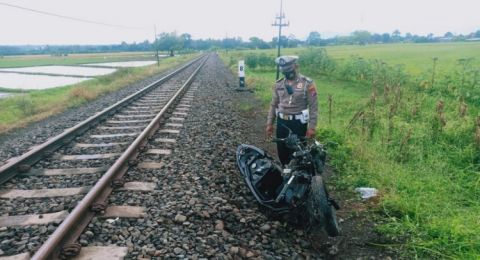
column 294, row 105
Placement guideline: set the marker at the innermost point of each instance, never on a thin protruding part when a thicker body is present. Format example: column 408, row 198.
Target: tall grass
column 414, row 137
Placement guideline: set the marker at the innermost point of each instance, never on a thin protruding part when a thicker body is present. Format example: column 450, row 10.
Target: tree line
column 172, row 41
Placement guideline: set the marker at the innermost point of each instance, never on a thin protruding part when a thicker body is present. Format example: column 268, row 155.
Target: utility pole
column 280, row 23
column 156, row 45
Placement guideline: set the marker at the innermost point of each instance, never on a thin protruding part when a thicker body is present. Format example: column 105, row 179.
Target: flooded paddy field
column 24, row 81
column 72, row 59
column 44, row 77
column 63, row 70
column 4, row 95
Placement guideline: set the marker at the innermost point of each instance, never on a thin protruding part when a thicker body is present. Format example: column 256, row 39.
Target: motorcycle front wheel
column 320, row 209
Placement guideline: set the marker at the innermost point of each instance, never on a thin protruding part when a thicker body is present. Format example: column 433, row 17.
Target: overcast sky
column 221, row 18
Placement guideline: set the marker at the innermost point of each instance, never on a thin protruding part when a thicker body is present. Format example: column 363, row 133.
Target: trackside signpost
column 241, row 73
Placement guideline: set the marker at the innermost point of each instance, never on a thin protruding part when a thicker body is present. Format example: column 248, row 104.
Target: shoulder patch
column 307, row 79
column 312, row 90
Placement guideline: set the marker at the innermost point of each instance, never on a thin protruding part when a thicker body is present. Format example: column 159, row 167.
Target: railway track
column 68, row 179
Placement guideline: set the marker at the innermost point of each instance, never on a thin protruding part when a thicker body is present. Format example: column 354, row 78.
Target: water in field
column 4, row 95
column 13, row 78
column 23, row 81
column 124, row 64
column 64, row 70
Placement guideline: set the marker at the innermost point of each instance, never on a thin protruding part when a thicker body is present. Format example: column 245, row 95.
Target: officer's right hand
column 269, row 131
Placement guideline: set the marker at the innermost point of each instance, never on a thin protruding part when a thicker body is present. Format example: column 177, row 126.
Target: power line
column 67, row 17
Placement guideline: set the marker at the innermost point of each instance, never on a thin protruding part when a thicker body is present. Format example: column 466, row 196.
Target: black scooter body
column 263, row 176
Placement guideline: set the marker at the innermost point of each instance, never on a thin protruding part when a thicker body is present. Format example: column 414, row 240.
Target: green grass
column 26, row 107
column 11, row 90
column 71, row 59
column 417, row 58
column 429, row 180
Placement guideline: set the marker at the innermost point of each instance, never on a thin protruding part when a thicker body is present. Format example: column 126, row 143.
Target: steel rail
column 50, row 249
column 24, row 162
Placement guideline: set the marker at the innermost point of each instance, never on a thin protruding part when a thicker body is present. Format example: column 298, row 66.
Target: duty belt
column 289, row 117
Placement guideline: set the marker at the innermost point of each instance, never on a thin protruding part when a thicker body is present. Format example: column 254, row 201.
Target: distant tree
column 292, row 41
column 376, row 38
column 396, row 37
column 283, row 41
column 386, row 38
column 343, row 40
column 314, row 39
column 477, row 34
column 420, row 39
column 205, row 44
column 186, row 40
column 169, row 42
column 459, row 37
column 257, row 43
column 231, row 43
column 448, row 35
column 361, row 36
column 123, row 46
column 408, row 36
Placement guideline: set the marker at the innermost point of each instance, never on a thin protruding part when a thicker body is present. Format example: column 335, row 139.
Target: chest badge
column 299, row 85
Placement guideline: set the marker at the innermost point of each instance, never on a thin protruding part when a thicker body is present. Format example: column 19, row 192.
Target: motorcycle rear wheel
column 319, row 208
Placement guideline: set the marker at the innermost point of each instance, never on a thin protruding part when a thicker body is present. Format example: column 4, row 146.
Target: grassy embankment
column 34, row 105
column 413, row 138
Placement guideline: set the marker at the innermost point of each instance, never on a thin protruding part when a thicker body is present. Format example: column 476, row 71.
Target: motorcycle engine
column 296, row 192
column 266, row 177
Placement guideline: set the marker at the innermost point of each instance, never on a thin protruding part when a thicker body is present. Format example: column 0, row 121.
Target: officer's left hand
column 269, row 131
column 310, row 133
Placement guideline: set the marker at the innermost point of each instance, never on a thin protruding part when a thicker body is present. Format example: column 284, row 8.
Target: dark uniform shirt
column 304, row 96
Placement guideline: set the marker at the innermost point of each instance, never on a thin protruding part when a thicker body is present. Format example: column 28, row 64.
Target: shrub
column 315, row 61
column 260, row 61
column 83, row 93
column 25, row 105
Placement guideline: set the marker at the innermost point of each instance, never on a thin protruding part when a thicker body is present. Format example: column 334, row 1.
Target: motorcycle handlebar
column 279, row 140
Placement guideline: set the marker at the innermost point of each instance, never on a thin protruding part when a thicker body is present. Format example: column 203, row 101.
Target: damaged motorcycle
column 296, row 192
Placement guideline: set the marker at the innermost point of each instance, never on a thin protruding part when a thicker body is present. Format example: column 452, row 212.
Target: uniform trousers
column 297, row 127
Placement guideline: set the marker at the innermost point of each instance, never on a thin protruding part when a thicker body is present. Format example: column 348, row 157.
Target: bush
column 83, row 93
column 260, row 61
column 357, row 68
column 25, row 105
column 316, row 62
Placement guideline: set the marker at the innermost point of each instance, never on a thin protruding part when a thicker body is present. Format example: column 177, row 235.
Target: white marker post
column 241, row 73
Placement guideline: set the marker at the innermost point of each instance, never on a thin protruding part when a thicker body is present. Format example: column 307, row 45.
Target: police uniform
column 294, row 105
